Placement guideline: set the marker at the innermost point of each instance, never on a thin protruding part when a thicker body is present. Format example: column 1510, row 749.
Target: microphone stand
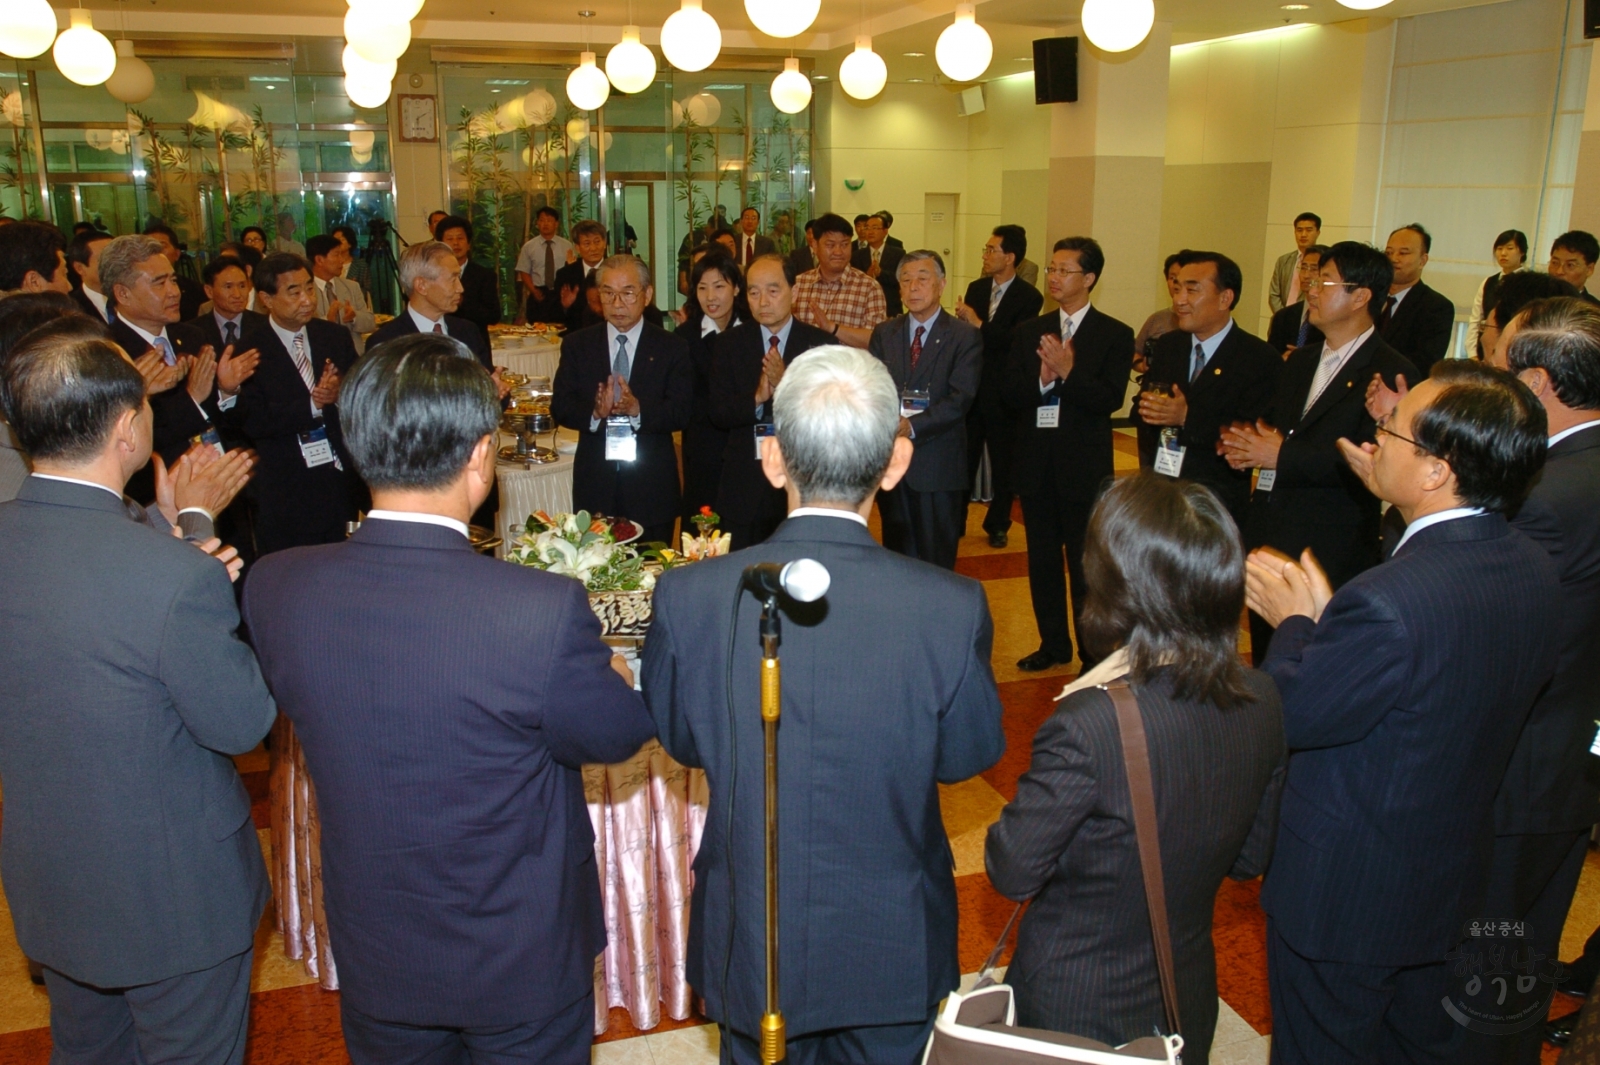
column 772, row 1026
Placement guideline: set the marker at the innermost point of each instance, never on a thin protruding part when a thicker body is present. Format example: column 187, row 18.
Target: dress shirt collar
column 827, row 512
column 1350, row 346
column 1435, row 519
column 322, row 286
column 1571, row 429
column 96, row 298
column 1396, row 297
column 424, row 323
column 998, row 291
column 782, row 333
column 287, row 337
column 912, row 325
column 223, row 320
column 148, row 338
column 1076, row 319
column 1210, row 345
column 418, row 518
column 76, row 480
column 708, row 324
column 633, row 336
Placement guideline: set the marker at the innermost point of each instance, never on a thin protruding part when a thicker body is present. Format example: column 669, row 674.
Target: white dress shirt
column 827, row 512
column 633, row 335
column 288, row 345
column 99, row 300
column 1070, row 324
column 1571, row 429
column 426, row 324
column 150, row 338
column 1332, row 361
column 418, row 518
column 1435, row 519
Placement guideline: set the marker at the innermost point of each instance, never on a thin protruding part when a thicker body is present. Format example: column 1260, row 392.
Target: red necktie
column 916, row 346
column 749, row 249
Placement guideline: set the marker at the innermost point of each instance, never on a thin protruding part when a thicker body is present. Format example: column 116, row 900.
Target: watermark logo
column 1499, row 984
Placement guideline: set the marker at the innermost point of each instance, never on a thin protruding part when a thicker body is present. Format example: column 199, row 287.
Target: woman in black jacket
column 1165, row 571
column 716, row 304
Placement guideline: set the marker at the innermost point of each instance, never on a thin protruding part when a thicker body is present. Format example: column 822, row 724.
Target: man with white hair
column 887, row 692
column 626, row 386
column 430, row 275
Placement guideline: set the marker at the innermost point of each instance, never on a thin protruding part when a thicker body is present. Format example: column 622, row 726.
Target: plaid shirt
column 854, row 300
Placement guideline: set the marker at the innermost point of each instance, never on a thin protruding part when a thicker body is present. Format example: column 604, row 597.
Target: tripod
column 385, row 274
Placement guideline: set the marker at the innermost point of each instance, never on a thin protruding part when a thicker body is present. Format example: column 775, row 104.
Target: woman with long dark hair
column 716, row 304
column 1165, row 571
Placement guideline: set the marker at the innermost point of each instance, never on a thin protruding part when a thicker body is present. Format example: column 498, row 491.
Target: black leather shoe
column 997, row 540
column 1559, row 1033
column 1039, row 660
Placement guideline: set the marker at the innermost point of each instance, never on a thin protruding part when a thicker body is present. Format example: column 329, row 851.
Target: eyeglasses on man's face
column 1383, row 428
column 619, row 295
column 1062, row 271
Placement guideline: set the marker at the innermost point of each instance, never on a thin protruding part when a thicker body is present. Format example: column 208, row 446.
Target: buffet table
column 532, row 356
column 524, row 490
column 648, row 814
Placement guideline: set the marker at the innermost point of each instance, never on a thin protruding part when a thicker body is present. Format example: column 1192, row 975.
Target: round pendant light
column 133, row 81
column 82, row 53
column 782, row 18
column 577, row 130
column 367, row 94
column 378, row 33
column 587, row 86
column 28, row 28
column 630, row 65
column 538, row 107
column 1118, row 25
column 703, row 109
column 863, row 72
column 791, row 90
column 406, row 9
column 1364, row 5
column 365, row 71
column 690, row 38
column 964, row 49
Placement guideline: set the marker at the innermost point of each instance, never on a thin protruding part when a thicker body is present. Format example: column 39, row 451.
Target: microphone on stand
column 804, row 580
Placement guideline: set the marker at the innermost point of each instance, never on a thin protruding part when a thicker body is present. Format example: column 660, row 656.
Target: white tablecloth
column 523, row 491
column 533, row 356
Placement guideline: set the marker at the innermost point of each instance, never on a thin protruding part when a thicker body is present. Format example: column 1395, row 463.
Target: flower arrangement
column 709, row 543
column 589, row 549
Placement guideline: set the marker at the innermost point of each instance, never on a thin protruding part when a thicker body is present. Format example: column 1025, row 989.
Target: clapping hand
column 1248, row 447
column 202, row 374
column 628, row 404
column 1276, row 587
column 604, row 398
column 771, row 374
column 1056, row 357
column 1360, row 460
column 327, row 391
column 569, row 295
column 1381, row 399
column 158, row 376
column 234, row 370
column 821, row 319
column 228, row 556
column 1155, row 408
column 967, row 314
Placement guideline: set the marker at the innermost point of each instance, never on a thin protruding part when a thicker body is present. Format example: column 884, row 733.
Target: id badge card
column 1265, row 479
column 1048, row 416
column 763, row 430
column 914, row 401
column 316, row 448
column 621, row 443
column 211, row 438
column 1169, row 458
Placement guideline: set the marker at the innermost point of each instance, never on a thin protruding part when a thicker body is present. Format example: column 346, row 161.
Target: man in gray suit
column 1284, row 288
column 131, row 865
column 339, row 299
column 936, row 360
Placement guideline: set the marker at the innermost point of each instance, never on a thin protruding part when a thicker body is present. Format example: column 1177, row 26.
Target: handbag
column 980, row 1026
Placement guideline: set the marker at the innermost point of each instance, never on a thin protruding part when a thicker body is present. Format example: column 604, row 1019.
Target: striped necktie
column 302, row 361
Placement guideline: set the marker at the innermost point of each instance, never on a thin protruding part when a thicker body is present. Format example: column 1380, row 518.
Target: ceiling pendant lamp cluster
column 82, row 53
column 28, row 29
column 377, row 33
column 1118, row 25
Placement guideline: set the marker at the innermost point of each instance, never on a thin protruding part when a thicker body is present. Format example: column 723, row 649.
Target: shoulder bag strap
column 1141, row 789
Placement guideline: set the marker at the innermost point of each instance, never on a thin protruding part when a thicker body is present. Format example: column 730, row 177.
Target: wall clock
column 419, row 118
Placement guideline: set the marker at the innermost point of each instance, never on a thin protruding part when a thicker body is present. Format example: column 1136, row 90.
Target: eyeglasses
column 1338, row 284
column 1383, row 427
column 624, row 295
column 1057, row 271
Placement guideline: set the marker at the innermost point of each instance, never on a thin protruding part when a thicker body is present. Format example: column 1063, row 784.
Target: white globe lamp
column 27, row 29
column 782, row 18
column 964, row 48
column 1118, row 25
column 703, row 109
column 1364, row 5
column 791, row 90
column 366, row 93
column 690, row 38
column 863, row 73
column 365, row 71
column 406, row 9
column 630, row 65
column 133, row 81
column 539, row 107
column 377, row 32
column 82, row 53
column 587, row 85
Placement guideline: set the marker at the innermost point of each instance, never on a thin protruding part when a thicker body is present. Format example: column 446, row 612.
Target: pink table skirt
column 648, row 815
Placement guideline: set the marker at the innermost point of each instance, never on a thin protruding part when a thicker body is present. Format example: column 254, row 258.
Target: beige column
column 1106, row 166
column 1586, row 183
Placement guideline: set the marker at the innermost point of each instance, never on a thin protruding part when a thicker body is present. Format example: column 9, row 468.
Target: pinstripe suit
column 1402, row 704
column 1085, row 962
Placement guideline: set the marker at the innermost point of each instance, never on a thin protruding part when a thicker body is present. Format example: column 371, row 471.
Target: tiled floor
column 293, row 1022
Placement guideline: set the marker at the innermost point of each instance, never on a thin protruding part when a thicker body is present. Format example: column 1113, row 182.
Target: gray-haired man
column 887, row 691
column 430, row 275
column 936, row 361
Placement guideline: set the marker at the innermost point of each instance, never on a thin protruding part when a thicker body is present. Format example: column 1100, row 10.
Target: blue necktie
column 165, row 348
column 619, row 365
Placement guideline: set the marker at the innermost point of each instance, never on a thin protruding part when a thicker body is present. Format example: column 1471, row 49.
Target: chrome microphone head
column 805, row 580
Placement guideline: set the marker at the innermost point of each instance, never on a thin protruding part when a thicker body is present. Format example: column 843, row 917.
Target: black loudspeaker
column 1055, row 69
column 1591, row 18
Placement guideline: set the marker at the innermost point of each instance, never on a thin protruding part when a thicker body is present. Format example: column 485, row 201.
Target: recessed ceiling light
column 819, row 77
column 913, row 55
column 1023, row 59
column 914, row 79
column 1295, row 7
column 494, row 90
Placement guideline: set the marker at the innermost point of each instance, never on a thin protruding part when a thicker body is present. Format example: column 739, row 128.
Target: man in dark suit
column 626, row 387
column 83, row 259
column 879, row 259
column 887, row 690
column 1550, row 798
column 1308, row 497
column 1291, row 327
column 804, row 256
column 1218, row 375
column 1417, row 322
column 747, row 363
column 1572, row 259
column 936, row 361
column 146, row 304
column 430, row 275
column 480, row 285
column 1068, row 376
column 305, row 492
column 132, row 869
column 1422, row 671
column 230, row 319
column 591, row 239
column 191, row 295
column 465, row 917
column 997, row 303
column 751, row 241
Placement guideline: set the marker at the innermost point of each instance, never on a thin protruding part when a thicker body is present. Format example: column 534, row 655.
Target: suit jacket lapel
column 1343, row 383
column 932, row 350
